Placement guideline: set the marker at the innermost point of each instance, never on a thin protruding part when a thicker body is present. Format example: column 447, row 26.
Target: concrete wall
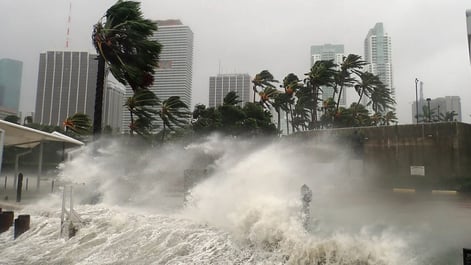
column 388, row 152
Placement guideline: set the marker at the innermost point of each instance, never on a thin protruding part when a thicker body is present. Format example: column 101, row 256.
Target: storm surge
column 245, row 208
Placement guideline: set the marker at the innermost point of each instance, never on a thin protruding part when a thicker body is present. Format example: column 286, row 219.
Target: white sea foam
column 245, row 211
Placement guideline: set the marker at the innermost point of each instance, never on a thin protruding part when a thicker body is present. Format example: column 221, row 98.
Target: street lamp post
column 428, row 107
column 416, row 102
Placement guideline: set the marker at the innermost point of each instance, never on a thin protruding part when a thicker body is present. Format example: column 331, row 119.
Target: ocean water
column 246, row 210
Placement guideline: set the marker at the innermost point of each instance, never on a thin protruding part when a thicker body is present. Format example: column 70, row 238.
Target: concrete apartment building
column 377, row 52
column 67, row 85
column 222, row 84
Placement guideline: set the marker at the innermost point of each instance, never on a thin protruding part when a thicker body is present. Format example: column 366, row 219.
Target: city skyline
column 252, row 43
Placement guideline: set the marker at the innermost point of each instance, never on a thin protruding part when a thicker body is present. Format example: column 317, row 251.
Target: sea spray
column 246, row 210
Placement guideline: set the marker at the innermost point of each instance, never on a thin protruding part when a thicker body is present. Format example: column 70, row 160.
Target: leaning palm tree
column 173, row 112
column 142, row 105
column 366, row 85
column 263, row 79
column 381, row 99
column 122, row 40
column 321, row 74
column 78, row 123
column 352, row 63
column 389, row 118
column 231, row 98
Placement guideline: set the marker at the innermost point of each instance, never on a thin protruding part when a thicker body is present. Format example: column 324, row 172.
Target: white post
column 40, row 164
column 63, row 210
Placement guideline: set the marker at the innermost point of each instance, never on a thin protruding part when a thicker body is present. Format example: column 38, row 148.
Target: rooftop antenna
column 219, row 67
column 68, row 27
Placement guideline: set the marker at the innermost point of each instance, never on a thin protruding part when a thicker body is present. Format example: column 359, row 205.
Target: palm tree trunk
column 313, row 124
column 287, row 122
column 279, row 121
column 291, row 113
column 100, row 81
column 163, row 133
column 131, row 130
column 338, row 100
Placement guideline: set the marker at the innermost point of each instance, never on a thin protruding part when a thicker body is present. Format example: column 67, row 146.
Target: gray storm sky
column 428, row 38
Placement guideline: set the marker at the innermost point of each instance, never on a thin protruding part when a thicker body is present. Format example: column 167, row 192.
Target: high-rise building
column 378, row 55
column 10, row 84
column 468, row 23
column 328, row 52
column 173, row 77
column 222, row 84
column 67, row 85
column 113, row 98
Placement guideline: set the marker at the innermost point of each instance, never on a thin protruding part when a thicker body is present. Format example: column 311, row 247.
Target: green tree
column 122, row 39
column 174, row 113
column 231, row 99
column 343, row 78
column 261, row 81
column 450, row 115
column 322, row 73
column 390, row 117
column 78, row 123
column 291, row 84
column 142, row 107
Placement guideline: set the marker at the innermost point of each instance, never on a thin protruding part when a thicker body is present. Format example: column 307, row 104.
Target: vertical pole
column 62, row 210
column 5, row 187
column 416, row 102
column 19, row 187
column 40, row 164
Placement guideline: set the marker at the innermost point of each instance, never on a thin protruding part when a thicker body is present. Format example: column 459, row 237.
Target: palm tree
column 390, row 117
column 79, row 123
column 231, row 98
column 267, row 95
column 351, row 64
column 173, row 112
column 366, row 85
column 122, row 40
column 450, row 115
column 381, row 99
column 142, row 105
column 291, row 84
column 321, row 74
column 263, row 79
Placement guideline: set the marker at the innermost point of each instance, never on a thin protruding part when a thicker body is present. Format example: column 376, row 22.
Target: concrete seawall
column 429, row 155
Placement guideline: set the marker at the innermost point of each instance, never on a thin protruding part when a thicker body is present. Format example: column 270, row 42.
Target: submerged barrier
column 21, row 225
column 6, row 220
column 22, row 222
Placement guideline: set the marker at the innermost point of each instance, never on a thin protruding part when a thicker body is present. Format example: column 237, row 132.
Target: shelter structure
column 12, row 134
